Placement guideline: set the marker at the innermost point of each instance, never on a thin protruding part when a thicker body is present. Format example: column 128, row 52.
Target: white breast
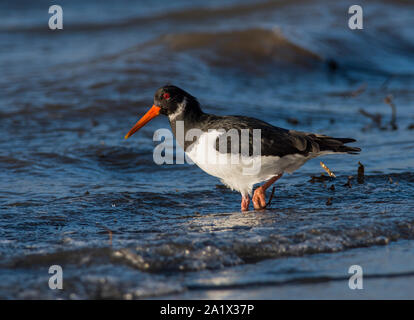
column 238, row 172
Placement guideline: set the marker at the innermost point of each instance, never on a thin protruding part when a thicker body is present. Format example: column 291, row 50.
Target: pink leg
column 245, row 203
column 259, row 196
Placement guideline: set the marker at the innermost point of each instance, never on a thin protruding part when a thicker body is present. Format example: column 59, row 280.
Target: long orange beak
column 151, row 114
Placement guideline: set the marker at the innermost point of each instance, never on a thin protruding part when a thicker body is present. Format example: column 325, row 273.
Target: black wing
column 275, row 141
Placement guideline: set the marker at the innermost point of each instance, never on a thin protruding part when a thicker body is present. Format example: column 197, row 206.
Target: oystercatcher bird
column 281, row 150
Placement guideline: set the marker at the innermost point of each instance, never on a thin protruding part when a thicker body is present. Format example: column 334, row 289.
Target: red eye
column 166, row 96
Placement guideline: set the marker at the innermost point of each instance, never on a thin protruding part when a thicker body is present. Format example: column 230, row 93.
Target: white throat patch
column 180, row 109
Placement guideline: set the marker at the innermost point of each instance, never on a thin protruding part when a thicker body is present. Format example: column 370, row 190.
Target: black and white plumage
column 281, row 150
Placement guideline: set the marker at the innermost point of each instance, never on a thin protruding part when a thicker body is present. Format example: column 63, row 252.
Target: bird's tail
column 336, row 144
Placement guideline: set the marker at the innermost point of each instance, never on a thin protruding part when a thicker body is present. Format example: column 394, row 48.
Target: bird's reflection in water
column 235, row 220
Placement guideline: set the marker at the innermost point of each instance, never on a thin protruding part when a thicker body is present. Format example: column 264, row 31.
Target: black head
column 172, row 102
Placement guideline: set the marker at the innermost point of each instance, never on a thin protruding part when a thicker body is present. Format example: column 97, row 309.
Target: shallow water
column 67, row 176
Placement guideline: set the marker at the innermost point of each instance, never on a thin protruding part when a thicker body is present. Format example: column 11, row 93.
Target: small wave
column 174, row 16
column 176, row 257
column 77, row 256
column 8, row 162
column 184, row 255
column 116, row 157
column 250, row 47
column 294, row 280
column 55, row 157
